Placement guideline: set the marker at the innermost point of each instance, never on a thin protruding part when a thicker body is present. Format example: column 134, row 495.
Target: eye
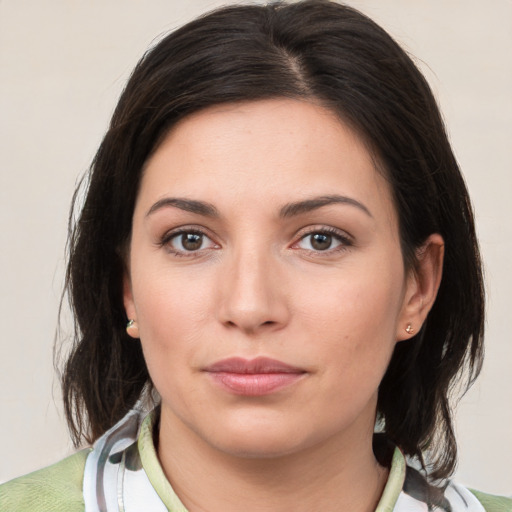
column 189, row 241
column 323, row 241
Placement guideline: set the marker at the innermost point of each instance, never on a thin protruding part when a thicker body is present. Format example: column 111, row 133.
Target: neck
column 341, row 473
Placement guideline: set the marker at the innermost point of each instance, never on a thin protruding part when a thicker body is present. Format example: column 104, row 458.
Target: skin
column 257, row 286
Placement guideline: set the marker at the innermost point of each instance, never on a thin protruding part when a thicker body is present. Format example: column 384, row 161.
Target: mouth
column 254, row 377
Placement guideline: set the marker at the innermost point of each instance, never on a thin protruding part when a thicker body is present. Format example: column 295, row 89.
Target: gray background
column 63, row 64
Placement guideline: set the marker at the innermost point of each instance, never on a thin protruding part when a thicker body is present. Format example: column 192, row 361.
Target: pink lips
column 256, row 377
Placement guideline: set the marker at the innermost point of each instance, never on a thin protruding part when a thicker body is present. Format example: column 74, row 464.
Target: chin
column 264, row 447
column 257, row 441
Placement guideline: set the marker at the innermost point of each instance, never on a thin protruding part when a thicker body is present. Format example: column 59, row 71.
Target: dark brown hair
column 328, row 53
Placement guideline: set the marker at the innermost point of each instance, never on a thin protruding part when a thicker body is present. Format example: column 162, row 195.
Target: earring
column 409, row 329
column 132, row 328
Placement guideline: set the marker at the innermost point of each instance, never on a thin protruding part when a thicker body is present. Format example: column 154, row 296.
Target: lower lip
column 257, row 384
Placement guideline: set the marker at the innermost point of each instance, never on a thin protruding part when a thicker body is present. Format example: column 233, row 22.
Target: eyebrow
column 314, row 203
column 288, row 210
column 188, row 205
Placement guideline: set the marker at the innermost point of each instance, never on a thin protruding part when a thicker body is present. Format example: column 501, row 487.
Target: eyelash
column 169, row 236
column 344, row 240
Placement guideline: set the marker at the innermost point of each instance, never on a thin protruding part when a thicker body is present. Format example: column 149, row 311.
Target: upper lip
column 258, row 365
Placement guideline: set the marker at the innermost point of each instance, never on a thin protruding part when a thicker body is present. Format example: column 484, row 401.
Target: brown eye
column 324, row 241
column 185, row 242
column 321, row 241
column 191, row 241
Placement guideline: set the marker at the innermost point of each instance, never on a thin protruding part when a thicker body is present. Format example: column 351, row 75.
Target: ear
column 421, row 287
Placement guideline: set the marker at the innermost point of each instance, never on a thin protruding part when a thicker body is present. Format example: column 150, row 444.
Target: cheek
column 355, row 319
column 171, row 312
column 169, row 300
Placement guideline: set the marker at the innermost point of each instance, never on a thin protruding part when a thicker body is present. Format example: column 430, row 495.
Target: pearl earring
column 132, row 328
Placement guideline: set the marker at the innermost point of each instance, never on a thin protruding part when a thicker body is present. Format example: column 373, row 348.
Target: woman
column 275, row 253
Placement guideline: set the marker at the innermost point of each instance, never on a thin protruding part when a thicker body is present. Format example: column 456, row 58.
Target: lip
column 253, row 377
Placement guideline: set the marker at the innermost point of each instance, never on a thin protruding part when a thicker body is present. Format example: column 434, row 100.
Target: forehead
column 261, row 151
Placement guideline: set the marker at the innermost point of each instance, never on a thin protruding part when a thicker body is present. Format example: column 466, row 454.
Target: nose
column 253, row 293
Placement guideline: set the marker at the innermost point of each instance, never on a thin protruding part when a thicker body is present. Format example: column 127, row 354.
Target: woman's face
column 266, row 278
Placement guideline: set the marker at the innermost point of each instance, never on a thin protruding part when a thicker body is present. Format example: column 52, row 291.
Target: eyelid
column 346, row 240
column 169, row 235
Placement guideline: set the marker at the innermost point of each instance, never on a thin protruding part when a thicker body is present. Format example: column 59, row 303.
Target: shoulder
column 55, row 488
column 492, row 503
